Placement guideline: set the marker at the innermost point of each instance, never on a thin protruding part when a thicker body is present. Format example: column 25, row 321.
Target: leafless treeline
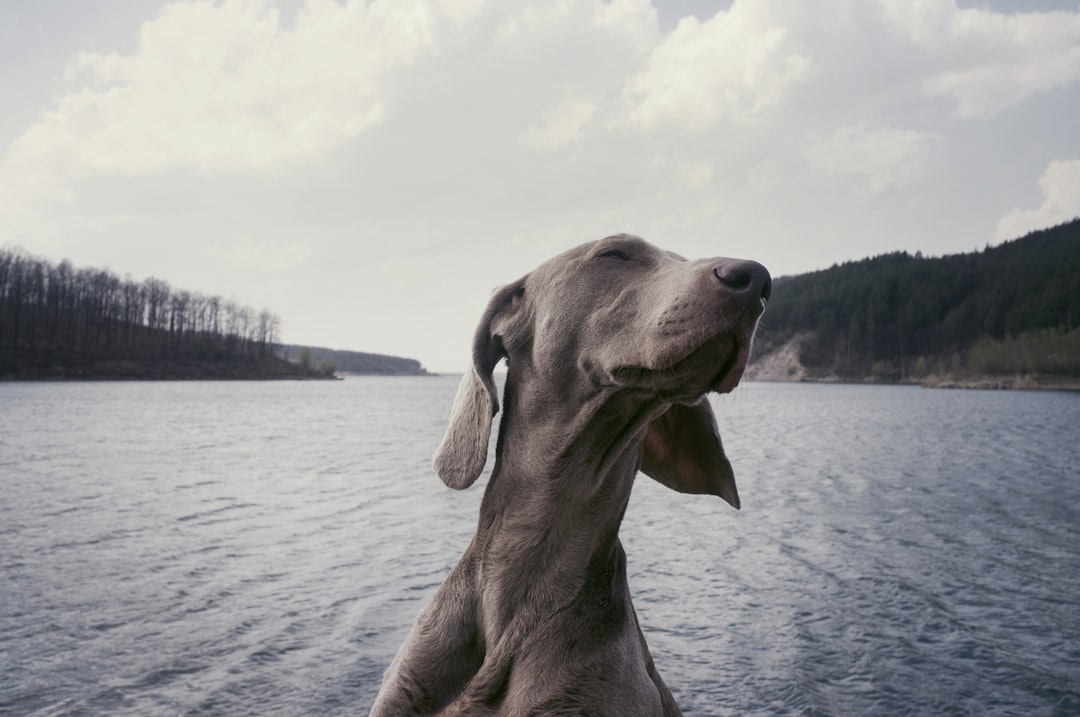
column 51, row 311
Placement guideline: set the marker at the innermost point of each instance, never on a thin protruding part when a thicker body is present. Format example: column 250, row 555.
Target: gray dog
column 612, row 348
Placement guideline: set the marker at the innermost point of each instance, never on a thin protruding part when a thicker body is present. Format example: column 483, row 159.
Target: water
column 262, row 548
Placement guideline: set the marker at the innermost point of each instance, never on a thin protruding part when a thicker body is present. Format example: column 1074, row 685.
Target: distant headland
column 351, row 362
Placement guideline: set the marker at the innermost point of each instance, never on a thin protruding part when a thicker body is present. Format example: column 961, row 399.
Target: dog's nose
column 744, row 276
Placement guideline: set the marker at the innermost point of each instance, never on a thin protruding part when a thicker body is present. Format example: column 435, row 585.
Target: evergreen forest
column 1008, row 310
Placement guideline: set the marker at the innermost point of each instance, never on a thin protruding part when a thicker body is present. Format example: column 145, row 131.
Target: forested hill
column 352, row 361
column 1010, row 310
column 57, row 321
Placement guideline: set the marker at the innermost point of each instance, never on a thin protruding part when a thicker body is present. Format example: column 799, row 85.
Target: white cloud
column 731, row 66
column 695, row 174
column 876, row 158
column 560, row 126
column 225, row 87
column 989, row 61
column 744, row 62
column 252, row 256
column 1060, row 185
column 232, row 87
column 635, row 19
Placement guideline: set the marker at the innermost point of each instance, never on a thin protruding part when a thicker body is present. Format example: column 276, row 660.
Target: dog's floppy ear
column 682, row 450
column 463, row 451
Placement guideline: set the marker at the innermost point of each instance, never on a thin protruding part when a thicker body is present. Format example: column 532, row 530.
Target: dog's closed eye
column 616, row 254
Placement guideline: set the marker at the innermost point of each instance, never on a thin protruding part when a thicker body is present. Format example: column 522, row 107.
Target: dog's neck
column 550, row 516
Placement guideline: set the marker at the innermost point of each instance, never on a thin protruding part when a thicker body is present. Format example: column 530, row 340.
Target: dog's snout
column 745, row 277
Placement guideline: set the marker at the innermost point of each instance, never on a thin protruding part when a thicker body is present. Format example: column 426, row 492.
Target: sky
column 370, row 171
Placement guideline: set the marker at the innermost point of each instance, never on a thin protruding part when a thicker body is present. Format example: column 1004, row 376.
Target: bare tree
column 52, row 311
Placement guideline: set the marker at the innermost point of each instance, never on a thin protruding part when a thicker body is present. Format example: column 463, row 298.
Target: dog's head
column 619, row 315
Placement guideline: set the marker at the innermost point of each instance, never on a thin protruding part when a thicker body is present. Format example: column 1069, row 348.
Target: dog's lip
column 732, row 373
column 683, row 370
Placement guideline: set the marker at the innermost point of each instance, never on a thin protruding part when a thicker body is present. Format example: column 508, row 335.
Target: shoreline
column 979, row 383
column 168, row 371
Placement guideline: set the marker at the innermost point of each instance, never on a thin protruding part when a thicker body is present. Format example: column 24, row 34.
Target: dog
column 611, row 350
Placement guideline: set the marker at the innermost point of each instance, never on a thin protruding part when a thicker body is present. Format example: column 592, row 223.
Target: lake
column 262, row 549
